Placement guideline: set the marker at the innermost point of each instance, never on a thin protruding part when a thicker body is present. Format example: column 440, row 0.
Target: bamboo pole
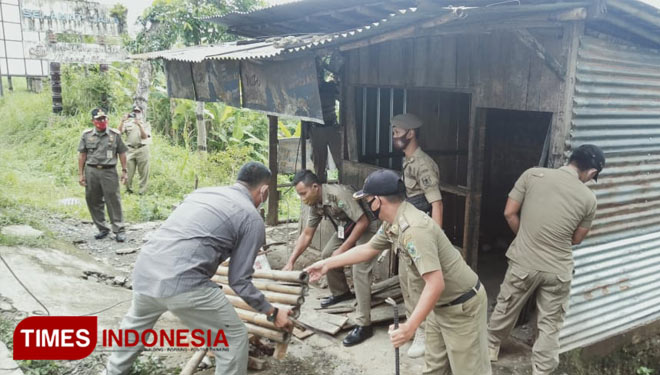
column 255, row 318
column 268, row 285
column 238, row 302
column 277, row 336
column 192, row 364
column 288, row 299
column 299, row 277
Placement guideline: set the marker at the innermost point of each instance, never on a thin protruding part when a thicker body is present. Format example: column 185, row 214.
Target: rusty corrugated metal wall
column 617, row 269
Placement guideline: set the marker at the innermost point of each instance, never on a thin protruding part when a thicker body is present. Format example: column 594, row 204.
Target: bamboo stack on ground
column 283, row 289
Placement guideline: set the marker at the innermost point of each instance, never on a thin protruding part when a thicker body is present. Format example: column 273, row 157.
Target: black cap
column 98, row 113
column 381, row 182
column 589, row 156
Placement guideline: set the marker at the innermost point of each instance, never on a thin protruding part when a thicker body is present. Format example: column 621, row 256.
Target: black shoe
column 357, row 335
column 120, row 237
column 101, row 235
column 329, row 301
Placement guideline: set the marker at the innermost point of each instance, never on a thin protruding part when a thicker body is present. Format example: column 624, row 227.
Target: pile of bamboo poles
column 283, row 289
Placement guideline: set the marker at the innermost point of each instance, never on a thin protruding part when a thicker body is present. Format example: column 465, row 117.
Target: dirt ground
column 93, row 275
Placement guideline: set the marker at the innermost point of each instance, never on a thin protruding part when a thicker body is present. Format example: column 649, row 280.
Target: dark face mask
column 374, row 212
column 401, row 142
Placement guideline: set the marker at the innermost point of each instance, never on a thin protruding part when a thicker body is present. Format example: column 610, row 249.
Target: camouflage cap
column 406, row 121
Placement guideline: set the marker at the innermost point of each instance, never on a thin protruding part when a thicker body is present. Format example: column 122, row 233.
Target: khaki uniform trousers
column 204, row 308
column 552, row 293
column 457, row 339
column 362, row 273
column 103, row 190
column 138, row 159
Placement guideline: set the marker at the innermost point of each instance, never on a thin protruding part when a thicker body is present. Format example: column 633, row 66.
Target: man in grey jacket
column 174, row 269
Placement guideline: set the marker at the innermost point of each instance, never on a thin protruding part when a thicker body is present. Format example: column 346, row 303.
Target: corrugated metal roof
column 617, row 107
column 273, row 47
column 309, row 16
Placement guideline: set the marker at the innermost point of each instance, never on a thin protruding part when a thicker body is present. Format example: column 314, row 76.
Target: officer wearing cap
column 138, row 138
column 453, row 301
column 99, row 149
column 352, row 227
column 421, row 178
column 549, row 210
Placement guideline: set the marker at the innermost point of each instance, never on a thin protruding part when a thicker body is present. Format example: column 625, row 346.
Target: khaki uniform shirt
column 101, row 148
column 426, row 248
column 421, row 176
column 554, row 204
column 132, row 131
column 338, row 203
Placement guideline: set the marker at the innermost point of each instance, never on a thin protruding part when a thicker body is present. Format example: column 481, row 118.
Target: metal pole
column 392, row 302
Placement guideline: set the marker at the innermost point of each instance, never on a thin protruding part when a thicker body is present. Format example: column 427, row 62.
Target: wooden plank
column 421, row 67
column 385, row 313
column 273, row 194
column 570, row 46
column 280, row 350
column 323, row 322
column 337, row 309
column 517, row 73
column 475, row 181
column 527, row 39
column 302, row 334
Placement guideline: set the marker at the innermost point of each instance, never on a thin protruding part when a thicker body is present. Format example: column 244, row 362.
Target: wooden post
column 103, row 69
column 561, row 123
column 477, row 135
column 201, row 127
column 56, row 86
column 303, row 144
column 2, row 92
column 273, row 194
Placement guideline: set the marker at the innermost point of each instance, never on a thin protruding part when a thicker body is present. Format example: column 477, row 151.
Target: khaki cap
column 406, row 121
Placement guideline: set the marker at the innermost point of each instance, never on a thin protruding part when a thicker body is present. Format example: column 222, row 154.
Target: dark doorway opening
column 514, row 142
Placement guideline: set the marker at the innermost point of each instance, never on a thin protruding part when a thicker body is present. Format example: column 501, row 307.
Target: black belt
column 129, row 146
column 465, row 297
column 100, row 166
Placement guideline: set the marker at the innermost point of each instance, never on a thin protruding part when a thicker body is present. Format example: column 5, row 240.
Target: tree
column 169, row 22
column 119, row 13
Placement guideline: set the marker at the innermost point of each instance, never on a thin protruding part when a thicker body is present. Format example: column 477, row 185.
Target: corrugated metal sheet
column 617, row 107
column 309, row 16
column 274, row 47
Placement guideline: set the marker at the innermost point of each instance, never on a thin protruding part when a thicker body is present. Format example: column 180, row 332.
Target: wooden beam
column 303, row 144
column 476, row 144
column 576, row 14
column 273, row 194
column 561, row 122
column 526, row 38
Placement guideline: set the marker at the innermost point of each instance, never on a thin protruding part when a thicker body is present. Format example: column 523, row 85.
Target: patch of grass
column 38, row 164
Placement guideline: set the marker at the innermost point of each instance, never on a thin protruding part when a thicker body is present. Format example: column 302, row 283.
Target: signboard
column 288, row 88
column 289, row 157
column 81, row 53
column 13, row 60
column 61, row 16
